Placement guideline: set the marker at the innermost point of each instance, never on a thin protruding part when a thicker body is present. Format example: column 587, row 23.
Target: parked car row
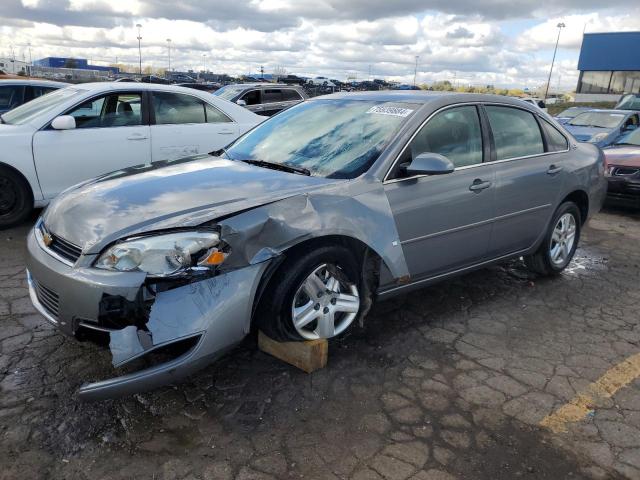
column 617, row 131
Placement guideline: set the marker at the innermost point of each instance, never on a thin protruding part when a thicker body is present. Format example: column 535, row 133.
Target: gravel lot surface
column 448, row 382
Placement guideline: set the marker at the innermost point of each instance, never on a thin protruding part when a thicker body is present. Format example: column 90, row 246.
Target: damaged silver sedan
column 300, row 224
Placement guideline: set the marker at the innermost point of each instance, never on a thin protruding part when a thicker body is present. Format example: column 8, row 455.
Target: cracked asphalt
column 448, row 382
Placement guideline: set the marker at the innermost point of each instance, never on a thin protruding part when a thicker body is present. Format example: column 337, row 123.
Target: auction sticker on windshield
column 394, row 111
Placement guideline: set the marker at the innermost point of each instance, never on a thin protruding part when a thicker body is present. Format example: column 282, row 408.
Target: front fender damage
column 213, row 314
column 267, row 231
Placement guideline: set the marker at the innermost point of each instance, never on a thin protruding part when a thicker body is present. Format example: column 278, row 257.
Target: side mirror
column 242, row 103
column 429, row 164
column 63, row 122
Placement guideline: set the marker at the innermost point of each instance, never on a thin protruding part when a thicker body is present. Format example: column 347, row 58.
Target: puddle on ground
column 586, row 261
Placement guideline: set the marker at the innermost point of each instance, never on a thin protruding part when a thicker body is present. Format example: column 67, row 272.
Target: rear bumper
column 213, row 314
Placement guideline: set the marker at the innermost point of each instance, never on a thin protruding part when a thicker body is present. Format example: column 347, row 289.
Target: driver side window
column 113, row 110
column 454, row 133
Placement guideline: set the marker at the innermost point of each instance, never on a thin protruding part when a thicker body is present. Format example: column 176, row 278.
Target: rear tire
column 559, row 244
column 16, row 199
column 312, row 295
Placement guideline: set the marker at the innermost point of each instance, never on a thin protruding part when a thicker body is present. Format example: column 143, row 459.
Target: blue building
column 80, row 63
column 609, row 66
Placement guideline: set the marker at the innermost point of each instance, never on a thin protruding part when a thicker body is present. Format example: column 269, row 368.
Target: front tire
column 313, row 295
column 560, row 242
column 16, row 200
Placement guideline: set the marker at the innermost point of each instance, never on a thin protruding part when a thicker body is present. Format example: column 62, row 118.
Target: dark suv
column 263, row 98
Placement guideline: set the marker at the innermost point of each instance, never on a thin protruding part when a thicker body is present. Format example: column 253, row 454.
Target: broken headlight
column 163, row 255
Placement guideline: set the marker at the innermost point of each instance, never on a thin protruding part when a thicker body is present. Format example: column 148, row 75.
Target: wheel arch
column 581, row 199
column 14, row 170
column 369, row 260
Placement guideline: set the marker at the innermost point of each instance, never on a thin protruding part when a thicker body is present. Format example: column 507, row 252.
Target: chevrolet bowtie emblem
column 47, row 238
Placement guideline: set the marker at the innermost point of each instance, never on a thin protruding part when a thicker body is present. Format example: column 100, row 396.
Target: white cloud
column 544, row 34
column 463, row 39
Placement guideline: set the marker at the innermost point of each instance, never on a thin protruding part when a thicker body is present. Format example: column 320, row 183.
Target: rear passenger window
column 271, row 95
column 214, row 115
column 454, row 133
column 290, row 95
column 515, row 132
column 556, row 141
column 173, row 108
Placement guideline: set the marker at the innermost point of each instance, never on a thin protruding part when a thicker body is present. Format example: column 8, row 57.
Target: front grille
column 624, row 171
column 64, row 249
column 47, row 298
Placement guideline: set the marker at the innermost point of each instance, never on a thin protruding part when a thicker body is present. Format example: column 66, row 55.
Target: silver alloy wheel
column 325, row 304
column 562, row 239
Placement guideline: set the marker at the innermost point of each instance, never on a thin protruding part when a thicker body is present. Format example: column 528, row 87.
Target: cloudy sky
column 500, row 42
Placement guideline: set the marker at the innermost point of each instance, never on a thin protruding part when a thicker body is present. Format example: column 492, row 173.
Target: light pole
column 415, row 71
column 139, row 49
column 204, row 63
column 560, row 27
column 169, row 48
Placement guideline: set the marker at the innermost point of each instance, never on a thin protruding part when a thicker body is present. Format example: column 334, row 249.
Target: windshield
column 30, row 110
column 330, row 138
column 597, row 119
column 228, row 92
column 629, row 102
column 630, row 138
column 571, row 112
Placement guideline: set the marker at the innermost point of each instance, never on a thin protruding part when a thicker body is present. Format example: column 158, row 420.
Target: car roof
column 260, row 84
column 611, row 110
column 33, row 81
column 117, row 86
column 421, row 96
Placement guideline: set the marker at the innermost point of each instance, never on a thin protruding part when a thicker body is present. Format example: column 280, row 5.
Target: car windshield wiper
column 279, row 166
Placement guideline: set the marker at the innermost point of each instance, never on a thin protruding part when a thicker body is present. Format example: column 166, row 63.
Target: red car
column 622, row 161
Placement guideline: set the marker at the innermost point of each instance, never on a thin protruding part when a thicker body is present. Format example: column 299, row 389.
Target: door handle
column 137, row 137
column 553, row 170
column 479, row 185
column 226, row 132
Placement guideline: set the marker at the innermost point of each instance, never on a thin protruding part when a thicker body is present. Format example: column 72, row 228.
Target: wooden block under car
column 309, row 356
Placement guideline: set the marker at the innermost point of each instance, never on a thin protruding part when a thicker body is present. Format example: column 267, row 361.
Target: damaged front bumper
column 205, row 317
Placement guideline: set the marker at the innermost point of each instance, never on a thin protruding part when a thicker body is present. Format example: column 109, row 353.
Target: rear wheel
column 312, row 296
column 16, row 200
column 560, row 243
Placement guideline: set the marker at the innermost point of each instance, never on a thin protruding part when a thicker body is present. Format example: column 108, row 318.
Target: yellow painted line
column 605, row 387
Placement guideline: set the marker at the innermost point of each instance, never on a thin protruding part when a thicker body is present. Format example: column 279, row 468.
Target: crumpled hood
column 183, row 193
column 584, row 134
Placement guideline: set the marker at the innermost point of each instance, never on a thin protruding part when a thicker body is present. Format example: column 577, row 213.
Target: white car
column 83, row 131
